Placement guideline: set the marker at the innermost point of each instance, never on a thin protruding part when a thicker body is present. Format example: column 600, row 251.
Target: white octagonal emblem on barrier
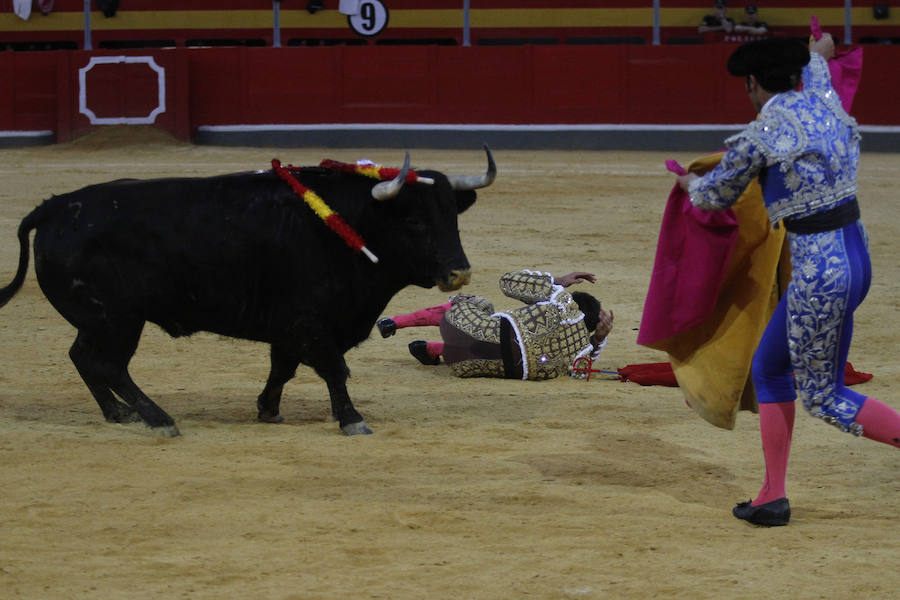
column 98, row 60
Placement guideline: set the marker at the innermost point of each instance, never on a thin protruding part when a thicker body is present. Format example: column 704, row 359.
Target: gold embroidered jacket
column 550, row 329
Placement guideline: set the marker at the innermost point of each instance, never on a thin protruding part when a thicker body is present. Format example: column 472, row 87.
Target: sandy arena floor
column 483, row 489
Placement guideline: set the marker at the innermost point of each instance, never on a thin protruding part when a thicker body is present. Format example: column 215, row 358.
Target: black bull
column 240, row 255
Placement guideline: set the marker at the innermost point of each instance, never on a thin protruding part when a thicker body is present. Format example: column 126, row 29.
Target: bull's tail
column 25, row 227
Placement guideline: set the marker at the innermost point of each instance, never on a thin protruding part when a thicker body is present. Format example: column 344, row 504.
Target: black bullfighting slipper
column 386, row 326
column 419, row 349
column 770, row 514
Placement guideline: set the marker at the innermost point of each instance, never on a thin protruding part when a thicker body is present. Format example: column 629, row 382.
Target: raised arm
column 816, row 75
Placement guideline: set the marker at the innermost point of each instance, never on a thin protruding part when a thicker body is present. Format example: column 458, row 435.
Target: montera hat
column 771, row 56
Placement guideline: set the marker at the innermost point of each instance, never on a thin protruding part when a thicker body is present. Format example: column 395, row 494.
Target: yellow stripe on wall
column 783, row 17
column 176, row 20
column 564, row 17
column 669, row 17
column 436, row 19
column 53, row 22
column 426, row 18
column 183, row 19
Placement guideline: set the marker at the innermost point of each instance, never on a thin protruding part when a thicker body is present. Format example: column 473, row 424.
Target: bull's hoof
column 122, row 414
column 269, row 418
column 124, row 418
column 358, row 428
column 167, row 431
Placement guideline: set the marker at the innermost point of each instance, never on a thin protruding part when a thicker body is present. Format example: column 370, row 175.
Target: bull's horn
column 388, row 189
column 473, row 182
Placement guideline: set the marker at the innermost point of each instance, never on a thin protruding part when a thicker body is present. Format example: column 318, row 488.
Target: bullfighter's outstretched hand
column 575, row 277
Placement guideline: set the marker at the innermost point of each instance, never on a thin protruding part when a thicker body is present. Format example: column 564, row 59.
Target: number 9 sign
column 371, row 19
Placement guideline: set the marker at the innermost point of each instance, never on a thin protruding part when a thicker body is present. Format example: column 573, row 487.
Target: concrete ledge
column 880, row 139
column 549, row 137
column 702, row 138
column 18, row 139
column 698, row 138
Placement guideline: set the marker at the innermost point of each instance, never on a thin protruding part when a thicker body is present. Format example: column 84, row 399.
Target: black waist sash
column 827, row 220
column 512, row 354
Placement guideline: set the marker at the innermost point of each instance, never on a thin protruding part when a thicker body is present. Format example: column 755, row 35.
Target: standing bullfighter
column 805, row 150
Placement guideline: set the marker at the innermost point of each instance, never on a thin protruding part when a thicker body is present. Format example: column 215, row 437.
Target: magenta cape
column 692, row 257
column 845, row 68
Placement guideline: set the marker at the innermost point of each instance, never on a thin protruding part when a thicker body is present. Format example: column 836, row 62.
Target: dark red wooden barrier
column 624, row 84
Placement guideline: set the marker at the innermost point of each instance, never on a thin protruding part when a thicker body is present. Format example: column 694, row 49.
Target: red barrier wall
column 29, row 96
column 623, row 84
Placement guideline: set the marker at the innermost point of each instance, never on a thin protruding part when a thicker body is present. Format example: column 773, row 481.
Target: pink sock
column 434, row 349
column 776, row 424
column 420, row 318
column 880, row 422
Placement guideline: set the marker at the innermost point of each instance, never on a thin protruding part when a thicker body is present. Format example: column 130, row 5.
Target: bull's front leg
column 335, row 373
column 351, row 422
column 329, row 364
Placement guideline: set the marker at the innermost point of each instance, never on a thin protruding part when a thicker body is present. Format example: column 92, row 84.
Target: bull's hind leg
column 113, row 410
column 102, row 361
column 283, row 367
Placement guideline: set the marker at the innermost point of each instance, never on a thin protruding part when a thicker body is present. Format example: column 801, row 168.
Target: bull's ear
column 464, row 199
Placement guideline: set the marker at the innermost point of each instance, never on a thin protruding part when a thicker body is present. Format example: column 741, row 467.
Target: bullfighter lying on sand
column 541, row 340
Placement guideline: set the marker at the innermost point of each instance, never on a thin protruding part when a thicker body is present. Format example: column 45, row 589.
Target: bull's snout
column 455, row 280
